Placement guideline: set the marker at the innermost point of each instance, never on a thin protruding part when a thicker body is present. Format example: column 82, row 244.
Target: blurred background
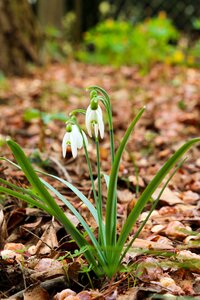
column 122, row 32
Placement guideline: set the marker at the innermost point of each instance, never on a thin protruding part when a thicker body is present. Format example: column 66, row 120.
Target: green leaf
column 48, row 199
column 107, row 179
column 146, row 195
column 31, row 114
column 80, row 218
column 77, row 193
column 111, row 204
column 25, row 198
column 22, row 190
column 151, row 210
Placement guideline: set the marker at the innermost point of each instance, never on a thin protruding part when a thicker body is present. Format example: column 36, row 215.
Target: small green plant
column 43, row 118
column 119, row 42
column 105, row 252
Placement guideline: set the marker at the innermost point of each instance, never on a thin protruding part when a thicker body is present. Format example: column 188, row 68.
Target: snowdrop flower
column 73, row 139
column 94, row 119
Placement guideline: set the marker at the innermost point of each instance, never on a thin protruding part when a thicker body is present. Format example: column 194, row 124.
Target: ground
column 165, row 258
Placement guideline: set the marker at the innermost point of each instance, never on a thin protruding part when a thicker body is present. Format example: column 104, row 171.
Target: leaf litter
column 38, row 258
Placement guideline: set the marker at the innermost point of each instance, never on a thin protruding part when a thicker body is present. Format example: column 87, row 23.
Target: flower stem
column 99, row 204
column 90, row 168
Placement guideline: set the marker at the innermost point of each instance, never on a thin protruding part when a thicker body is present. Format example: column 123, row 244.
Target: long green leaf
column 26, row 199
column 144, row 198
column 107, row 179
column 69, row 205
column 44, row 194
column 80, row 195
column 80, row 219
column 22, row 190
column 111, row 204
column 151, row 210
column 77, row 193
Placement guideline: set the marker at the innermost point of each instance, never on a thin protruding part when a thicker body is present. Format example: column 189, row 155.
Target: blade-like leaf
column 144, row 198
column 27, row 199
column 151, row 210
column 22, row 190
column 111, row 199
column 48, row 199
column 80, row 195
column 80, row 219
column 106, row 178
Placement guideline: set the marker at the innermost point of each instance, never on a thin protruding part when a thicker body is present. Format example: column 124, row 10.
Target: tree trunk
column 19, row 37
column 51, row 12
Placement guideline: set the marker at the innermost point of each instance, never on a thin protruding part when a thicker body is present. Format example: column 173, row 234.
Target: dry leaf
column 14, row 246
column 64, row 294
column 169, row 284
column 168, row 196
column 131, row 294
column 124, row 196
column 190, row 197
column 47, row 242
column 149, row 270
column 175, row 229
column 36, row 292
column 144, row 244
column 3, row 229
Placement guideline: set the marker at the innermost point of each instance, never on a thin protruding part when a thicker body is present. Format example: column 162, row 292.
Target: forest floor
column 165, row 259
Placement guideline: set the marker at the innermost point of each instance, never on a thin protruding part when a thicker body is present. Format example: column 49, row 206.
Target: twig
column 48, row 285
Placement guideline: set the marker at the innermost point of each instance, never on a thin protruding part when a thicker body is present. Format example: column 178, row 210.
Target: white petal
column 85, row 139
column 99, row 110
column 77, row 136
column 100, row 125
column 93, row 115
column 88, row 121
column 88, row 110
column 66, row 139
column 73, row 147
column 96, row 127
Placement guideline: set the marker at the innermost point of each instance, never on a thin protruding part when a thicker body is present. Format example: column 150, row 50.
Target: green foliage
column 121, row 43
column 33, row 113
column 105, row 252
column 58, row 43
column 196, row 23
column 193, row 54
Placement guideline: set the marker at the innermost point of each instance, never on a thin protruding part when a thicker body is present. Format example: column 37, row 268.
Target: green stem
column 89, row 168
column 99, row 203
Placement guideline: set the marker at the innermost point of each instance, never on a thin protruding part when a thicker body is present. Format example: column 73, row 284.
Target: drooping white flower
column 73, row 139
column 94, row 121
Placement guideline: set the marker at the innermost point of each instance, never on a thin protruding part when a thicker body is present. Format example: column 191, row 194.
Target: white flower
column 73, row 139
column 94, row 120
